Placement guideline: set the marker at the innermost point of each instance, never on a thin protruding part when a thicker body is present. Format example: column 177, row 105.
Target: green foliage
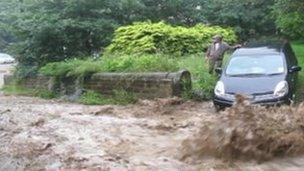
column 45, row 94
column 147, row 37
column 203, row 82
column 177, row 12
column 298, row 47
column 16, row 89
column 249, row 18
column 120, row 97
column 5, row 37
column 63, row 69
column 289, row 15
column 23, row 71
column 93, row 98
column 139, row 63
column 124, row 63
column 6, row 34
column 53, row 31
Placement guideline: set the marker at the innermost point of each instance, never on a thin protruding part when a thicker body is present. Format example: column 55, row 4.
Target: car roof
column 4, row 55
column 261, row 47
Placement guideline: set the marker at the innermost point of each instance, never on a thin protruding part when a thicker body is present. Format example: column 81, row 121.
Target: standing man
column 216, row 51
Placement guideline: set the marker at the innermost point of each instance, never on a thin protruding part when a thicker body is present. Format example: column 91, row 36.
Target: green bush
column 125, row 63
column 70, row 68
column 122, row 97
column 119, row 97
column 45, row 94
column 17, row 90
column 203, row 83
column 147, row 37
column 92, row 98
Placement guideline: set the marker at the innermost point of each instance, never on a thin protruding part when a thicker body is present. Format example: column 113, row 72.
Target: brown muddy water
column 163, row 134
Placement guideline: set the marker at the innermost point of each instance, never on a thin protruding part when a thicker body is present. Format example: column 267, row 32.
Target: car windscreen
column 255, row 65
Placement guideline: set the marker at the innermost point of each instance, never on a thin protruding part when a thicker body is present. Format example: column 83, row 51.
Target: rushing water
column 37, row 134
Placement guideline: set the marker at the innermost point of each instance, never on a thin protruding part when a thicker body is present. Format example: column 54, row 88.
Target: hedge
column 147, row 37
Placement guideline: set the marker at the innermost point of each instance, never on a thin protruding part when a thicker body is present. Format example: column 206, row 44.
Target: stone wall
column 4, row 70
column 37, row 82
column 147, row 85
column 144, row 85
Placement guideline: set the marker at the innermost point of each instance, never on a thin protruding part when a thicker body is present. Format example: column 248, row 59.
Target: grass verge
column 298, row 48
column 119, row 97
column 115, row 63
column 19, row 90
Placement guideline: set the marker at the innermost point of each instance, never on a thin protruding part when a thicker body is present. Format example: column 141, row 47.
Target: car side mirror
column 295, row 69
column 218, row 70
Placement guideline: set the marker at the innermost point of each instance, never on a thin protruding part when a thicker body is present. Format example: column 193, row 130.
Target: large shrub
column 147, row 37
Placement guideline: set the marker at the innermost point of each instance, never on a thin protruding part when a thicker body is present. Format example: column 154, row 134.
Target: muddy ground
column 37, row 134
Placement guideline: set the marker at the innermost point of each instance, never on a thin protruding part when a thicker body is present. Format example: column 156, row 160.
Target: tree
column 180, row 12
column 289, row 15
column 248, row 17
column 56, row 30
column 6, row 36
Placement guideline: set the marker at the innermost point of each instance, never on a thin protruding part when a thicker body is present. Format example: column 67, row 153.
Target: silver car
column 6, row 59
